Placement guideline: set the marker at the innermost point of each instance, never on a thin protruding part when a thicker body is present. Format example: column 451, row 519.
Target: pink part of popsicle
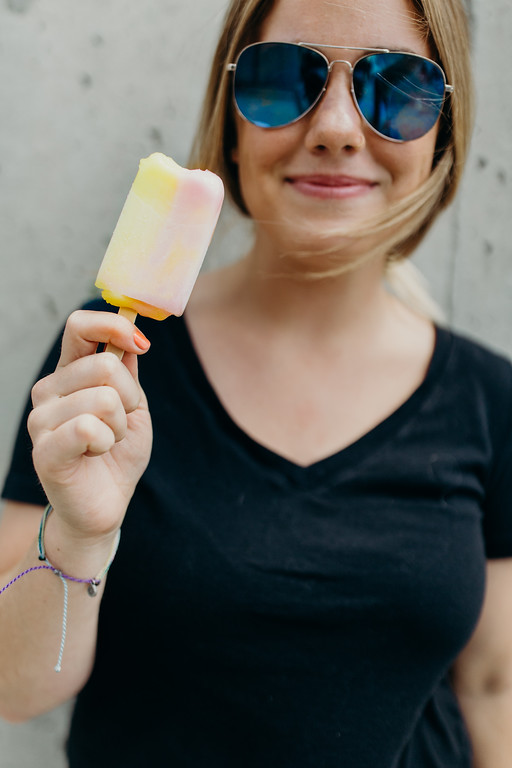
column 161, row 238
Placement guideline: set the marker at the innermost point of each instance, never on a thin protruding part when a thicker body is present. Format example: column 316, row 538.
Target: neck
column 280, row 293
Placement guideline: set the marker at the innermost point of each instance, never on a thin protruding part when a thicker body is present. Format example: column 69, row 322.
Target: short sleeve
column 497, row 520
column 21, row 482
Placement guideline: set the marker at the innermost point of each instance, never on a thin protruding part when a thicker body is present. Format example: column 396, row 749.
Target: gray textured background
column 88, row 88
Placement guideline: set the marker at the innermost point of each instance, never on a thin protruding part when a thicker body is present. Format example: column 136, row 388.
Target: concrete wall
column 88, row 88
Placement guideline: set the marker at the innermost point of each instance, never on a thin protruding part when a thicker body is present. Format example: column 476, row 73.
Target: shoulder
column 475, row 386
column 476, row 365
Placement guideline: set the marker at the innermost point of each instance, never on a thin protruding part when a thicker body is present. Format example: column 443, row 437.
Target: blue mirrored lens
column 276, row 83
column 399, row 94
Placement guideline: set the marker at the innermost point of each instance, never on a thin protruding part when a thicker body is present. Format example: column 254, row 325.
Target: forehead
column 364, row 23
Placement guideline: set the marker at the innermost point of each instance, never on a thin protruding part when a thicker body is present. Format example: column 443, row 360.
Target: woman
column 302, row 569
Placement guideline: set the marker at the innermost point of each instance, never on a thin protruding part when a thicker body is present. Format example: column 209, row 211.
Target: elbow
column 13, row 719
column 12, row 715
column 491, row 683
column 17, row 715
column 17, row 709
column 496, row 685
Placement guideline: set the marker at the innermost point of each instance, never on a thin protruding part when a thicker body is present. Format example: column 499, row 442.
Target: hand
column 90, row 425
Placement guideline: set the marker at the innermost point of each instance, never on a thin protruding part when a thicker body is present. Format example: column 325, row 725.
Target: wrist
column 77, row 556
column 70, row 561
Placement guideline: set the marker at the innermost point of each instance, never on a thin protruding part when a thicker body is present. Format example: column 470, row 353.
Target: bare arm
column 92, row 436
column 31, row 623
column 482, row 676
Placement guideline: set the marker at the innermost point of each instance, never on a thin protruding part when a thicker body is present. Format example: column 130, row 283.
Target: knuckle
column 107, row 401
column 85, row 426
column 92, row 434
column 121, row 431
column 132, row 401
column 42, row 452
column 39, row 391
column 39, row 454
column 74, row 321
column 34, row 422
column 108, row 366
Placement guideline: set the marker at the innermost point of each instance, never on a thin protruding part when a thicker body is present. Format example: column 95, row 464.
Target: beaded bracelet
column 93, row 583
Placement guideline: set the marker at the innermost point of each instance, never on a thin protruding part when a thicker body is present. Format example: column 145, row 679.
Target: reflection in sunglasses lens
column 276, row 83
column 399, row 94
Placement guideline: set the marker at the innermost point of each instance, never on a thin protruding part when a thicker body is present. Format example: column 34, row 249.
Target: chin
column 314, row 260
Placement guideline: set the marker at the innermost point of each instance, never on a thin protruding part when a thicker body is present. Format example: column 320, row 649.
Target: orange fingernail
column 140, row 340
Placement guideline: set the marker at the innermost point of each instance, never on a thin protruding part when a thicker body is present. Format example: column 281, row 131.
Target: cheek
column 262, row 149
column 410, row 164
column 422, row 155
column 259, row 155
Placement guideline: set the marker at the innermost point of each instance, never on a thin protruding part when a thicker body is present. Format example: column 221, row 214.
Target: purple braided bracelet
column 93, row 583
column 29, row 570
column 47, row 568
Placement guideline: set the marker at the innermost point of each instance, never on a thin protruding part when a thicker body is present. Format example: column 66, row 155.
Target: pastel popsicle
column 160, row 239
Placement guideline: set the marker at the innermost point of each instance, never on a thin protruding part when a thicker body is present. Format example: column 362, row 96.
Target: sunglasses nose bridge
column 350, row 67
column 340, row 61
column 330, row 67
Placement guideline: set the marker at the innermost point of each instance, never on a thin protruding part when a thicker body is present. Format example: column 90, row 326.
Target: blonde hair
column 445, row 26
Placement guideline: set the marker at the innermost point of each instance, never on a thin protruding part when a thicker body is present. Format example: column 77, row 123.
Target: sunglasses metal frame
column 330, row 64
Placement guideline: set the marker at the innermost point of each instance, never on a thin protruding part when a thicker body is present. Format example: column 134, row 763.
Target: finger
column 83, row 435
column 103, row 370
column 86, row 329
column 102, row 402
column 131, row 362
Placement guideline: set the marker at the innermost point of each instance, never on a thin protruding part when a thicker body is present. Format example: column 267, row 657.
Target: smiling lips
column 331, row 187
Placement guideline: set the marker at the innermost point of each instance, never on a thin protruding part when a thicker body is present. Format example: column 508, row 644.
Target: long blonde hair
column 445, row 25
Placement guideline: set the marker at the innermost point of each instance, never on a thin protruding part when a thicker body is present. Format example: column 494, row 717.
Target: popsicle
column 160, row 240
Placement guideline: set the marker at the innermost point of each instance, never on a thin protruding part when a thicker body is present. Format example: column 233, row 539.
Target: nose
column 335, row 123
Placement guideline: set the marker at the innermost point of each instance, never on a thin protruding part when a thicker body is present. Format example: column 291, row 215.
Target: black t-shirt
column 262, row 614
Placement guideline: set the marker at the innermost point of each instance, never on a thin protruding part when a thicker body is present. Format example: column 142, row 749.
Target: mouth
column 334, row 187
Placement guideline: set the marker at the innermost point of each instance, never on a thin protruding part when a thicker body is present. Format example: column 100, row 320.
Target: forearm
column 91, row 434
column 31, row 621
column 489, row 721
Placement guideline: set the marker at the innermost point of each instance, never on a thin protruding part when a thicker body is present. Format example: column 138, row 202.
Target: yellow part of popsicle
column 161, row 237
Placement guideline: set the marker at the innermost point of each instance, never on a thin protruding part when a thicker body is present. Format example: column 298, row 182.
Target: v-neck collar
column 345, row 459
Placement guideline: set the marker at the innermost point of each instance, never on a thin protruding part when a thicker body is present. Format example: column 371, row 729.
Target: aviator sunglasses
column 400, row 95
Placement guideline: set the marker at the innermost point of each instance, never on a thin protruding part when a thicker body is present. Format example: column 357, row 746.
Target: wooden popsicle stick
column 130, row 315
